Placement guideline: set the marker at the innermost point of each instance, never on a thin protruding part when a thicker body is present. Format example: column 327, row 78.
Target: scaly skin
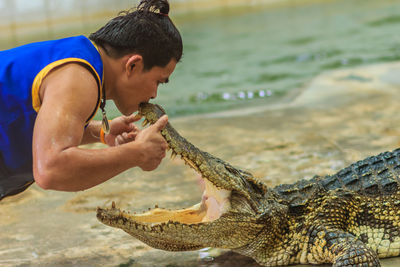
column 348, row 219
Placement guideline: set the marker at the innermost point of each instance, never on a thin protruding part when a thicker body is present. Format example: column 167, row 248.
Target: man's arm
column 68, row 98
column 92, row 133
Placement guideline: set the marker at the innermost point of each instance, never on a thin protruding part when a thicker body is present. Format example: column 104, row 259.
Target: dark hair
column 146, row 30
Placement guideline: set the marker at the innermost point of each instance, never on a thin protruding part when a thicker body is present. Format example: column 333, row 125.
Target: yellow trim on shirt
column 37, row 82
column 102, row 75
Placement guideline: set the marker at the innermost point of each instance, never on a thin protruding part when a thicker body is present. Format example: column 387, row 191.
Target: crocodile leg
column 317, row 244
column 338, row 247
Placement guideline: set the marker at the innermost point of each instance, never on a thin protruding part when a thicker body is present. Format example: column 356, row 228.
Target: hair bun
column 154, row 6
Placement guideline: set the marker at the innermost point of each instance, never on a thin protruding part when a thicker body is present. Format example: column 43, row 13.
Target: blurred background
column 237, row 53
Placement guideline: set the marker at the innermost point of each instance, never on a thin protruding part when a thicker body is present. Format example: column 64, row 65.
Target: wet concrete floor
column 340, row 117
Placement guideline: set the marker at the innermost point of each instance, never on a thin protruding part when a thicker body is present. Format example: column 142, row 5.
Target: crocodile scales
column 351, row 218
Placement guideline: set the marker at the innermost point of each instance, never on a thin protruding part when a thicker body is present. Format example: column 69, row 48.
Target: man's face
column 140, row 86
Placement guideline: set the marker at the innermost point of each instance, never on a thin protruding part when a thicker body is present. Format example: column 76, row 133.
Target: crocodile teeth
column 190, row 163
column 173, row 155
column 113, row 205
column 145, row 123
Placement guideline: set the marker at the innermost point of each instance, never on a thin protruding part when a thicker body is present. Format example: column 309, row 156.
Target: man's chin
column 130, row 112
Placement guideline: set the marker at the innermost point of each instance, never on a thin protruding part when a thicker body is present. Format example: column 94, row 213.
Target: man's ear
column 132, row 63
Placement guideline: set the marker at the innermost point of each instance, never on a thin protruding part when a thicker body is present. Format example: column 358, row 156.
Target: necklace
column 104, row 124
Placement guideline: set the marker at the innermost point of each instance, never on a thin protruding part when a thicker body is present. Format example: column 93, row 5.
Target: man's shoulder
column 72, row 89
column 72, row 75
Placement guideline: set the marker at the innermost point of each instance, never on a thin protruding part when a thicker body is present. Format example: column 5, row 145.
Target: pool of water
column 255, row 55
column 236, row 57
column 230, row 51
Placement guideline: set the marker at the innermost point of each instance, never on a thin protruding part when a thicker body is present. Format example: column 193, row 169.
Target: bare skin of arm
column 68, row 97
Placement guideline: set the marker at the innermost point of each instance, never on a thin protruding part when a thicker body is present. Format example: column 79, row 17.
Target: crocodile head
column 234, row 210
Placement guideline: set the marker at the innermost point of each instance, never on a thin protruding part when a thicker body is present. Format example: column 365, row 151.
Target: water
column 231, row 51
column 236, row 51
column 254, row 55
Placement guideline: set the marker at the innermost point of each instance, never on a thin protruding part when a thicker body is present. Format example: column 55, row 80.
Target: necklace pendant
column 104, row 124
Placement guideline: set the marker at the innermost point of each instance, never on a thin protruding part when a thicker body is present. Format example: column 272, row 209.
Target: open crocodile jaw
column 215, row 202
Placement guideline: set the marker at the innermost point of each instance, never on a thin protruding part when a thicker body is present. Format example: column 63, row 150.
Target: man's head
column 147, row 31
column 148, row 45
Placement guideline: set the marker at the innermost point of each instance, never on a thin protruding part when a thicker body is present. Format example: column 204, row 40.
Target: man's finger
column 133, row 127
column 132, row 135
column 160, row 124
column 119, row 140
column 133, row 118
column 116, row 143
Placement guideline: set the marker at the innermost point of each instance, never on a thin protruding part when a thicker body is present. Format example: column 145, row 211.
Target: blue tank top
column 22, row 71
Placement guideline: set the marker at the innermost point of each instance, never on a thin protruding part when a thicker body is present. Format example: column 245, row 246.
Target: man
column 49, row 92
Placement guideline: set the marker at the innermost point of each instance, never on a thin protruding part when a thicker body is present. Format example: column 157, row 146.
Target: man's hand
column 153, row 145
column 122, row 130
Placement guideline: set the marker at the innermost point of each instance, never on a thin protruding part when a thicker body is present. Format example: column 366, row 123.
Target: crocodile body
column 351, row 218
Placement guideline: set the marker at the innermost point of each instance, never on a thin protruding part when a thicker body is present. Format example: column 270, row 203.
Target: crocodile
column 351, row 218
